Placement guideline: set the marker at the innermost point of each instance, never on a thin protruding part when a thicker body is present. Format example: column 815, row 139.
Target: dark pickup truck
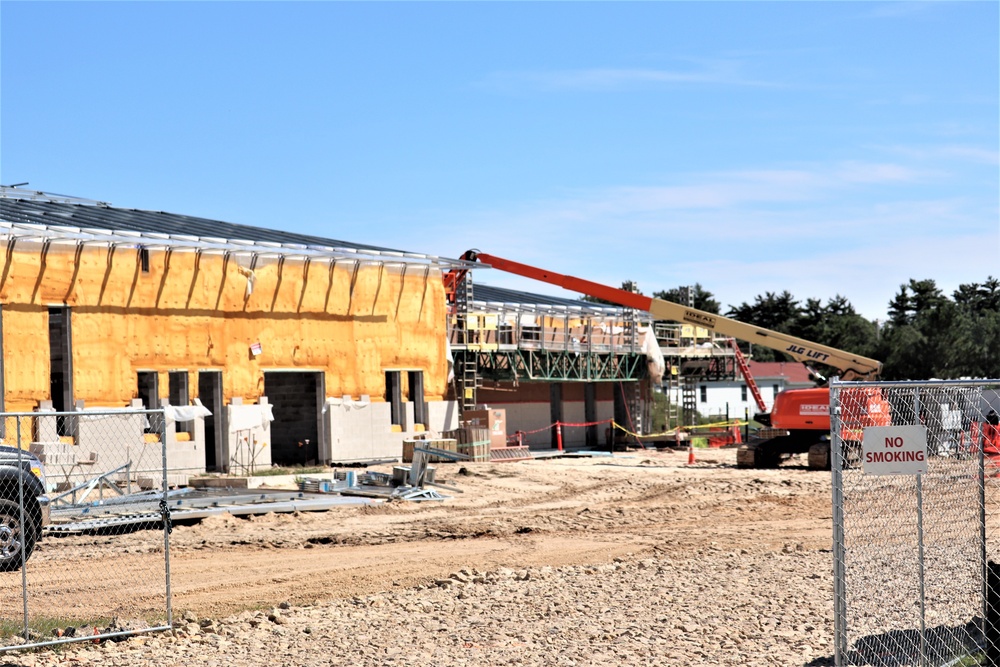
column 22, row 476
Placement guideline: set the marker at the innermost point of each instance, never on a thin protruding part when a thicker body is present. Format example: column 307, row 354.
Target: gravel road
column 639, row 560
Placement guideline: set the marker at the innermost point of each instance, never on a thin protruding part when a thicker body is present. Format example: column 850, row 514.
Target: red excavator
column 799, row 419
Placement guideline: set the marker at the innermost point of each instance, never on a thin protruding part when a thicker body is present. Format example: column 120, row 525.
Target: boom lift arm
column 851, row 366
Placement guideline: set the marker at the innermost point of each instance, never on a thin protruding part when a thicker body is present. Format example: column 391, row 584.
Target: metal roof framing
column 36, row 217
column 502, row 300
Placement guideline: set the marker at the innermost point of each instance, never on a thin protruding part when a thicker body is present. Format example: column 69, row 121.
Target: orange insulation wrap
column 188, row 313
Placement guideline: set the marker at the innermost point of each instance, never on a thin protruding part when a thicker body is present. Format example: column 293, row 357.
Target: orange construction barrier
column 988, row 437
column 991, row 440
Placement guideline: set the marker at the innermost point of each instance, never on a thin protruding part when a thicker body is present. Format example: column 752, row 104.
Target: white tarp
column 654, row 356
column 450, row 356
column 185, row 413
column 247, row 417
column 348, row 403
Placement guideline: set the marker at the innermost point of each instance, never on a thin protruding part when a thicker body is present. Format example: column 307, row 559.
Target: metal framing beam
column 555, row 366
column 13, row 231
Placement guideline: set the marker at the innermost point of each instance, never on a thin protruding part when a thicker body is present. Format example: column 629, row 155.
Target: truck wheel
column 12, row 535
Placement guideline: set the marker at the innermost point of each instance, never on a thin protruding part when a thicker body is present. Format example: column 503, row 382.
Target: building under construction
column 549, row 360
column 343, row 344
column 300, row 348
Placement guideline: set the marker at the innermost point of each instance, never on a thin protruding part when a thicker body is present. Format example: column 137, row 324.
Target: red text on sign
column 893, row 457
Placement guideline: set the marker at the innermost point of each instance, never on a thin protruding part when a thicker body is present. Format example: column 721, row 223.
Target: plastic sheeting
column 654, row 357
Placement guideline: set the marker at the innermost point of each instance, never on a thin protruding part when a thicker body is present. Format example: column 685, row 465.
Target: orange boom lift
column 801, row 417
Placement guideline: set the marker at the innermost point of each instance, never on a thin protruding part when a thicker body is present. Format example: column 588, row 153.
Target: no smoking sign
column 894, row 450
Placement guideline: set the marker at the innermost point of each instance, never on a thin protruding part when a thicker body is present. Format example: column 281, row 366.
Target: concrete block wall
column 293, row 397
column 574, row 413
column 360, row 430
column 442, row 416
column 102, row 443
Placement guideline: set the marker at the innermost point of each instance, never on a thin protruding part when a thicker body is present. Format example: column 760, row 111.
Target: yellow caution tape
column 674, row 431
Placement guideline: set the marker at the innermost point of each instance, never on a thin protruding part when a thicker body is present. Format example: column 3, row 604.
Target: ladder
column 466, row 377
column 745, row 370
column 633, row 400
column 689, row 401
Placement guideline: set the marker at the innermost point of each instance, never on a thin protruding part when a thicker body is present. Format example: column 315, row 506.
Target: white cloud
column 816, row 231
column 956, row 152
column 867, row 275
column 727, row 72
column 862, row 172
column 716, row 192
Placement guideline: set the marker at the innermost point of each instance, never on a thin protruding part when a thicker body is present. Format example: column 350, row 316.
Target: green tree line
column 928, row 334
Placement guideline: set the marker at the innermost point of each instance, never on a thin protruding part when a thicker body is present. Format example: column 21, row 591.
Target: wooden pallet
column 508, row 454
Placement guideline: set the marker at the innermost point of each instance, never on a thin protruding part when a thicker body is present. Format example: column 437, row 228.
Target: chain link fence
column 916, row 514
column 84, row 526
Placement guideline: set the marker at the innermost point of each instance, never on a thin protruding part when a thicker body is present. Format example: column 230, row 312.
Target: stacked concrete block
column 46, row 426
column 442, row 416
column 361, row 430
column 185, row 455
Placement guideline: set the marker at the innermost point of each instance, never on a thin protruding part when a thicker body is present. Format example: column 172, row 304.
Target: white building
column 734, row 399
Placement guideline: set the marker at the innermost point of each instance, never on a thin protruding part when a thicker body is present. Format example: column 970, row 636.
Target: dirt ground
column 546, row 512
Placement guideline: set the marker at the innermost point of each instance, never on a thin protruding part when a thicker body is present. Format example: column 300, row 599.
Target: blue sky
column 823, row 148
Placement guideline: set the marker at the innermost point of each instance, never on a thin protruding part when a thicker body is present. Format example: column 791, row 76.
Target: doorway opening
column 61, row 365
column 297, row 399
column 210, row 395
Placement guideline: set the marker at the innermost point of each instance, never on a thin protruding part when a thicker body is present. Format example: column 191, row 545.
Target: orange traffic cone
column 690, row 455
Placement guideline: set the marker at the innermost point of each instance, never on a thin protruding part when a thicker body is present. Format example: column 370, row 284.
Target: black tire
column 12, row 535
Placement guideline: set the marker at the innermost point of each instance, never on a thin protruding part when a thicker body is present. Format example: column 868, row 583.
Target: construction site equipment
column 741, row 363
column 420, row 476
column 804, row 413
